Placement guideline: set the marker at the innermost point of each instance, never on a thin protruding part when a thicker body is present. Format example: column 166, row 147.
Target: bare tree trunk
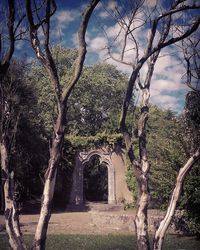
column 161, row 231
column 141, row 219
column 11, row 212
column 62, row 95
column 141, row 222
column 50, row 178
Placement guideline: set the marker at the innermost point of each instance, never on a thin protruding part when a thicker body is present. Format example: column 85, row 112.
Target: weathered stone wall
column 122, row 192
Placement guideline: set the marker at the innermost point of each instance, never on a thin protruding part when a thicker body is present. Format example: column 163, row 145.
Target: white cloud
column 65, row 16
column 19, row 44
column 57, row 33
column 98, row 44
column 167, row 99
column 151, row 3
column 166, row 85
column 123, row 67
column 112, row 4
column 105, row 10
column 75, row 39
column 168, row 102
column 167, row 90
column 61, row 21
column 104, row 14
column 112, row 31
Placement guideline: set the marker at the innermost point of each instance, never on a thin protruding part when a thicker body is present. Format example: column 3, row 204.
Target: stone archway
column 95, row 181
column 113, row 160
column 81, row 160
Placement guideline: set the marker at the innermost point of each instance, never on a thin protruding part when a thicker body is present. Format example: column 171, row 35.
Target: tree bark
column 11, row 212
column 141, row 222
column 50, row 178
column 161, row 231
column 141, row 219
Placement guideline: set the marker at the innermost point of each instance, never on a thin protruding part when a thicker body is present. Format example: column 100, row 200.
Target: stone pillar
column 111, row 185
column 76, row 196
column 122, row 192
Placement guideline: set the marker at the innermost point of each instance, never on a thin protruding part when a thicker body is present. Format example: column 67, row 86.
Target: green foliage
column 64, row 59
column 26, row 145
column 166, row 153
column 29, row 159
column 12, row 94
column 40, row 82
column 131, row 182
column 193, row 108
column 96, row 101
column 190, row 201
column 192, row 118
column 29, row 153
column 191, row 191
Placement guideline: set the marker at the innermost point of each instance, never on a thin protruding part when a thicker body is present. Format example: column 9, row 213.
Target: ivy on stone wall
column 96, row 141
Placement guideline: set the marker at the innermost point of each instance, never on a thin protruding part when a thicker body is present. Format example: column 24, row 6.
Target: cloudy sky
column 167, row 89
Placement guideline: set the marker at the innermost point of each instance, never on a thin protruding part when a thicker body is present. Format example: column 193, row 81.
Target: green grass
column 104, row 242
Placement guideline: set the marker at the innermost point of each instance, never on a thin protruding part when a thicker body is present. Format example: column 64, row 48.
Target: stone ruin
column 118, row 191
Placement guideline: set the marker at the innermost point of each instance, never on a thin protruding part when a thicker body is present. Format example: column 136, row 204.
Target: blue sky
column 167, row 89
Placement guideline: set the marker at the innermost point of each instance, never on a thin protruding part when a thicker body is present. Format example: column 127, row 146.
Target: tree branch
column 46, row 56
column 160, row 232
column 11, row 19
column 81, row 51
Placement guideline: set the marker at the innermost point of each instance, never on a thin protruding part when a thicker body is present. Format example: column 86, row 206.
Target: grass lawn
column 104, row 242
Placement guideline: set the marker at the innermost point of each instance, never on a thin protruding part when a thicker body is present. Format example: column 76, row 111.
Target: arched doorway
column 95, row 181
column 82, row 160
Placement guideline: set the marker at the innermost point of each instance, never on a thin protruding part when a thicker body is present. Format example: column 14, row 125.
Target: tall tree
column 9, row 33
column 44, row 55
column 161, row 21
column 94, row 102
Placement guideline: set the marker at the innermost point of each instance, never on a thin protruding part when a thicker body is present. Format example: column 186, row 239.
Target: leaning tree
column 167, row 23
